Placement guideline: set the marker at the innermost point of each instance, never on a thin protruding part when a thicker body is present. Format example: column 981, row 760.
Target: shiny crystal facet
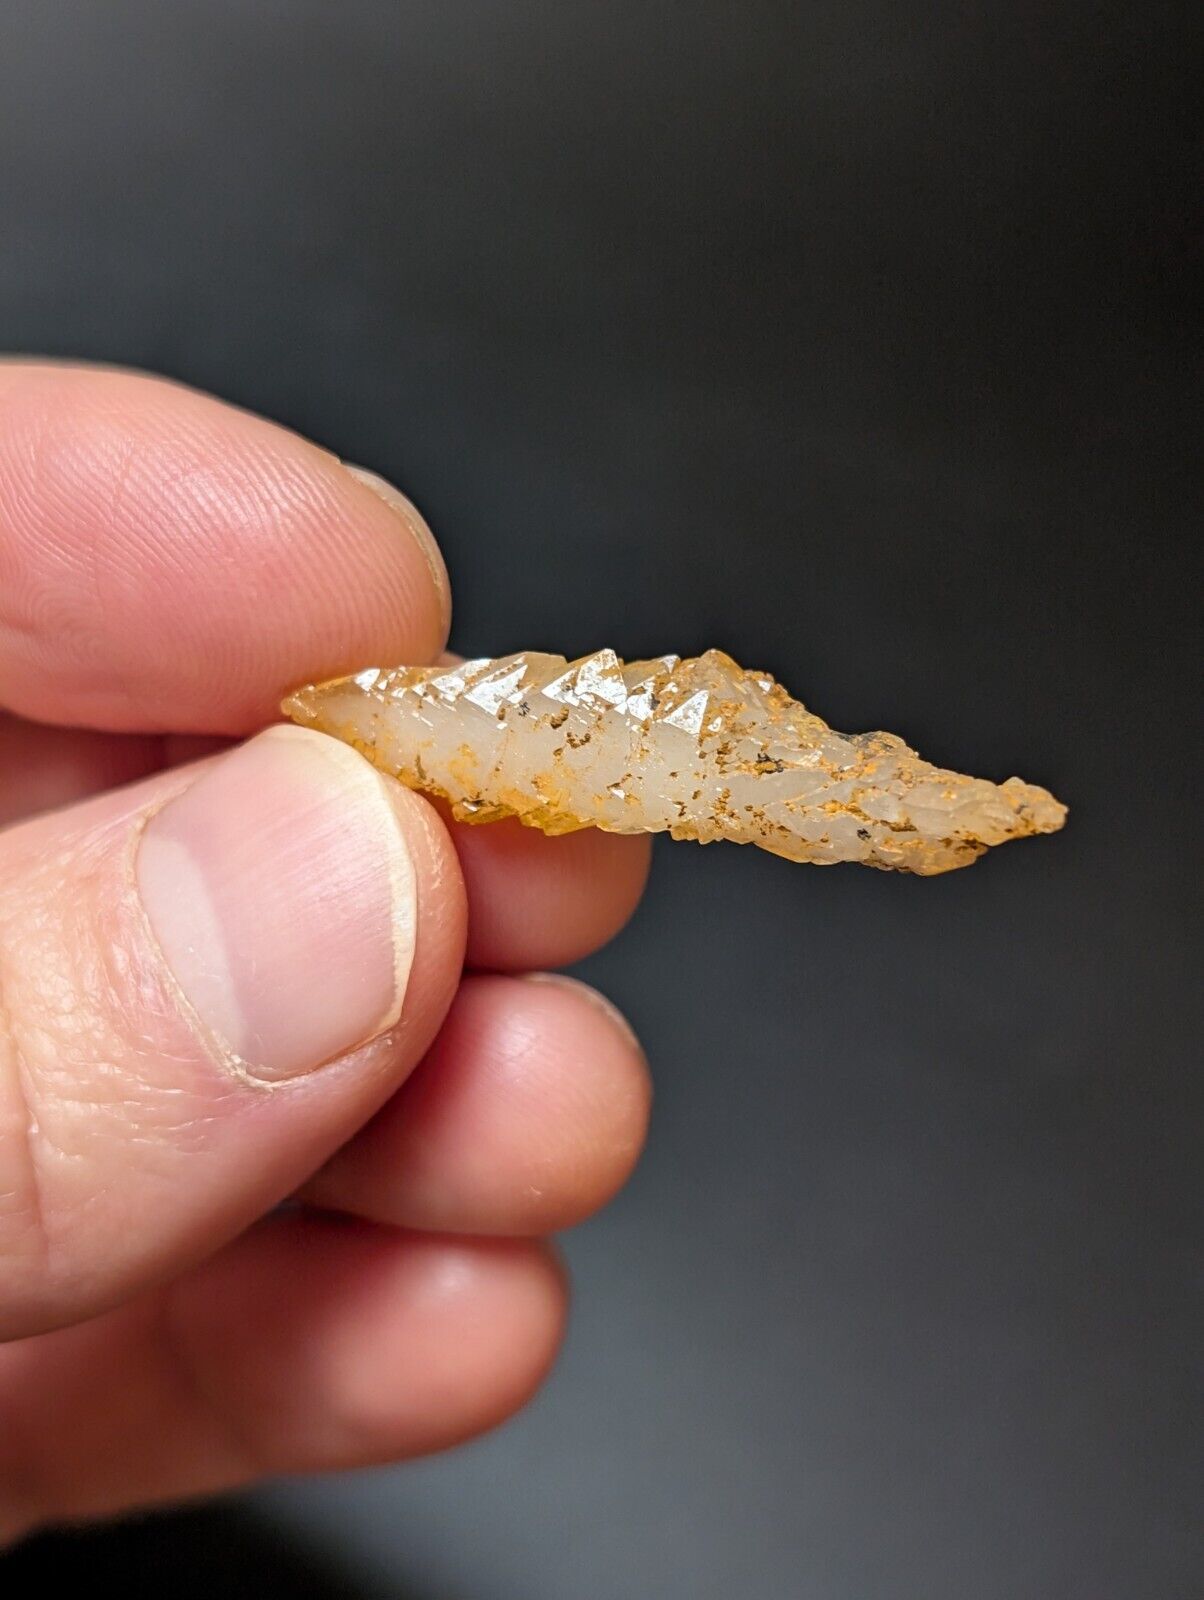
column 698, row 748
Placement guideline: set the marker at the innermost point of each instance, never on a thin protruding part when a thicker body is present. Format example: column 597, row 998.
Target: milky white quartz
column 698, row 748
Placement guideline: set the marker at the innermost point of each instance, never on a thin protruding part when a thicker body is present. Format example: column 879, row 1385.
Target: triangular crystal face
column 699, row 748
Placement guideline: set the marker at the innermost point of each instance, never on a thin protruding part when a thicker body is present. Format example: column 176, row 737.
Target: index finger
column 170, row 563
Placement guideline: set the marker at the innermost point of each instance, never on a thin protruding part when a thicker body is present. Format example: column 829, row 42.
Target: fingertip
column 481, row 1320
column 340, row 1344
column 528, row 1113
column 168, row 562
column 502, row 1313
column 420, row 528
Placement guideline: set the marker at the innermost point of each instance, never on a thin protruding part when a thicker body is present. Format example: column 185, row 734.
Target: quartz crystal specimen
column 698, row 748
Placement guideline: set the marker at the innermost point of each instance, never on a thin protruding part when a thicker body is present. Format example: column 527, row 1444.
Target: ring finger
column 525, row 1116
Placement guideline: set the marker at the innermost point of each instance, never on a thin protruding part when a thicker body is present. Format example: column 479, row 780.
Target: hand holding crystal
column 239, row 974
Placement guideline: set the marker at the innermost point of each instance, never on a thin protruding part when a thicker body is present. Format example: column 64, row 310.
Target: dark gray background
column 851, row 336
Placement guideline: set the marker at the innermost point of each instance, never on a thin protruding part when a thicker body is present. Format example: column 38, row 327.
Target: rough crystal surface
column 699, row 748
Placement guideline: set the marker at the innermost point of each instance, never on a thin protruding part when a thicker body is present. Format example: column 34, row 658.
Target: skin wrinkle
column 516, row 1057
column 52, row 485
column 228, row 488
column 409, row 513
column 44, row 768
column 181, row 1362
column 14, row 1071
column 26, row 1486
column 31, row 1041
column 20, row 627
column 120, row 681
column 128, row 460
column 625, row 1134
column 37, row 1138
column 66, row 1046
column 36, row 1483
column 607, row 1008
column 144, row 1127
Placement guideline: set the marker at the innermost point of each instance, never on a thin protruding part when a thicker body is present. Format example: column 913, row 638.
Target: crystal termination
column 699, row 748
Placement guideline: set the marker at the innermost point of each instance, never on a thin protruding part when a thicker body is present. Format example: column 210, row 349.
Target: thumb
column 207, row 983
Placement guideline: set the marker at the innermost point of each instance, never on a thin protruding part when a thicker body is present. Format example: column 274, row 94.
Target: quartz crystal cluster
column 698, row 748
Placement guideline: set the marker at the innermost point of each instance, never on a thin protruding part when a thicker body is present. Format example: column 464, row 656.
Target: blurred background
column 851, row 335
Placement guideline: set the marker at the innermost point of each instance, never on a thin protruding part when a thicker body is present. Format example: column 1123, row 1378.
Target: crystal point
column 698, row 748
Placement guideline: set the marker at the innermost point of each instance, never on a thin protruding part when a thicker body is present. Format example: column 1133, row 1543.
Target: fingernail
column 282, row 896
column 414, row 520
column 587, row 992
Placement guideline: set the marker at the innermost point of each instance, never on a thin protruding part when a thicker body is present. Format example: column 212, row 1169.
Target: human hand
column 239, row 982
